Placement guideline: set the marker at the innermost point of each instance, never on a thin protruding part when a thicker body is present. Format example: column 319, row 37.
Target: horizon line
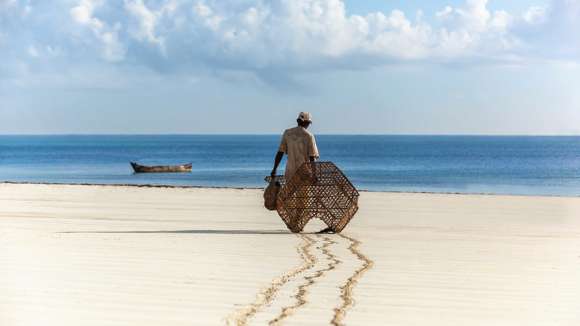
column 277, row 134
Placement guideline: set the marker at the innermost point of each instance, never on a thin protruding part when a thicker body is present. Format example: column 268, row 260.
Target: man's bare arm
column 277, row 161
column 314, row 168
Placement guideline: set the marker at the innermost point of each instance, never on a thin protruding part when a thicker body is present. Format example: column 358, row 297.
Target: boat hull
column 161, row 168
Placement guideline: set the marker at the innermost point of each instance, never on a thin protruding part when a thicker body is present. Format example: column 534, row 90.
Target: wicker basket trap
column 317, row 190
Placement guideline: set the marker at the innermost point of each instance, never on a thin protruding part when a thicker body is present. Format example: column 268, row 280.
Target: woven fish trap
column 317, row 190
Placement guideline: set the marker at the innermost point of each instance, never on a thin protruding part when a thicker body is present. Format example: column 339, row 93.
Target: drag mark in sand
column 310, row 280
column 265, row 297
column 347, row 289
column 331, row 257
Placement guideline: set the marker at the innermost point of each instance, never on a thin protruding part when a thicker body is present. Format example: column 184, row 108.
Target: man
column 300, row 146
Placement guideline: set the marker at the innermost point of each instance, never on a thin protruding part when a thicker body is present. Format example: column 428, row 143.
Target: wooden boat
column 161, row 168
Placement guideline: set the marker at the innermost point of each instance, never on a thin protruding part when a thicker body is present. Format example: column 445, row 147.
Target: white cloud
column 33, row 52
column 444, row 13
column 83, row 13
column 286, row 37
column 535, row 15
column 320, row 32
column 147, row 21
column 204, row 14
column 552, row 32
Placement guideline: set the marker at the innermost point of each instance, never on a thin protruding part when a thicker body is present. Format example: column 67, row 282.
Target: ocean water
column 463, row 164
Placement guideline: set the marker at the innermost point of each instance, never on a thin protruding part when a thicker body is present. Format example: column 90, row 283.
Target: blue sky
column 249, row 66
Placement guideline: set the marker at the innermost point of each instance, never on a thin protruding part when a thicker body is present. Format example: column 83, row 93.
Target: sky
column 249, row 66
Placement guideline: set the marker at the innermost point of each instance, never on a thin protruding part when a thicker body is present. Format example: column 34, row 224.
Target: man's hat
column 305, row 116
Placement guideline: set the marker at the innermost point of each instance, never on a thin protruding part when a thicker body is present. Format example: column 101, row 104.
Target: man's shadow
column 230, row 232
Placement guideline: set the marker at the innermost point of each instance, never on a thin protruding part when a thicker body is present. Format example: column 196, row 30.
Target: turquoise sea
column 463, row 164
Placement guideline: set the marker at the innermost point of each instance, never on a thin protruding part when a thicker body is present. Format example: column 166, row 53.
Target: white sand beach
column 113, row 255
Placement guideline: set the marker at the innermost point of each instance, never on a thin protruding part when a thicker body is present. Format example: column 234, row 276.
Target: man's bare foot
column 327, row 230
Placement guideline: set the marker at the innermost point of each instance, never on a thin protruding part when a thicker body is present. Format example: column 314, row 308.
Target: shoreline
column 162, row 186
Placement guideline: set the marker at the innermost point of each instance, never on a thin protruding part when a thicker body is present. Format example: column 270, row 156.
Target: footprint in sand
column 302, row 291
column 347, row 294
column 265, row 297
column 318, row 260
